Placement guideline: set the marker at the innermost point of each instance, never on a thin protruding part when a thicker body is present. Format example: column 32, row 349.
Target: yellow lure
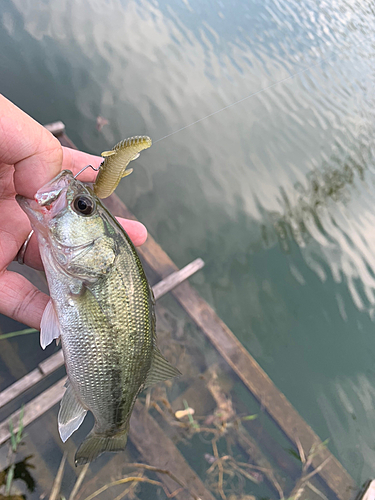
column 113, row 169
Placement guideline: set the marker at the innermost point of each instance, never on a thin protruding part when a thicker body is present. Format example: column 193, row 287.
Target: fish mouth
column 51, row 192
column 31, row 208
column 48, row 200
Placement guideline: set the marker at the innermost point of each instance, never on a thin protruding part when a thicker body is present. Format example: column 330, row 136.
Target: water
column 262, row 116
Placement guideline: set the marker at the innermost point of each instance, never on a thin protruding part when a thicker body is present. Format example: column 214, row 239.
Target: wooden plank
column 44, row 368
column 33, row 438
column 200, row 397
column 34, row 409
column 52, row 363
column 56, row 128
column 145, row 434
column 57, row 360
column 167, row 284
column 159, row 450
column 65, row 141
column 243, row 364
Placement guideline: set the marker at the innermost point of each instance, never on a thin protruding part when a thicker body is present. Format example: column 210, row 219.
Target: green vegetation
column 16, row 334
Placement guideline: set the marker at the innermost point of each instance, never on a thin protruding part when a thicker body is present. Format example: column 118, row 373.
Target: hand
column 30, row 156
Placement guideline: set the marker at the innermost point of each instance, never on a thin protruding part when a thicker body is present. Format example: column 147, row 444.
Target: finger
column 134, row 229
column 75, row 160
column 35, row 153
column 21, row 300
column 14, row 228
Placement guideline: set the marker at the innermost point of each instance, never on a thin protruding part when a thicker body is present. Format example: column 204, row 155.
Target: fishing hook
column 88, row 166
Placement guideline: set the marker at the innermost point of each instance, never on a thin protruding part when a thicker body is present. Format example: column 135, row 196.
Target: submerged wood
column 44, row 368
column 244, row 365
column 157, row 448
column 56, row 128
column 57, row 360
column 200, row 396
column 168, row 455
column 33, row 410
column 167, row 284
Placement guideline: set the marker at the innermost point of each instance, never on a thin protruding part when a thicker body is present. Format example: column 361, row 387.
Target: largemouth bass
column 114, row 166
column 102, row 308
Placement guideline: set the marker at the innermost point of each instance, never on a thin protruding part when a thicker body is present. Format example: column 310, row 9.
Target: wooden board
column 152, row 443
column 34, row 409
column 45, row 368
column 55, row 361
column 145, row 433
column 243, row 364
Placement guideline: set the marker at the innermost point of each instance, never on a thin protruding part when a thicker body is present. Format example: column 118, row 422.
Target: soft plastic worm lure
column 111, row 171
column 113, row 168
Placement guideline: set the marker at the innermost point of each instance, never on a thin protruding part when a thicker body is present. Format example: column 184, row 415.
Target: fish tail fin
column 96, row 444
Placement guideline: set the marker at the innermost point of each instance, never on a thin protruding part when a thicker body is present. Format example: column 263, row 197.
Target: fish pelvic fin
column 49, row 326
column 71, row 413
column 96, row 444
column 160, row 370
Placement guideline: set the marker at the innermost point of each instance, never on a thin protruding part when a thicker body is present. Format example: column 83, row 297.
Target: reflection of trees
column 300, row 219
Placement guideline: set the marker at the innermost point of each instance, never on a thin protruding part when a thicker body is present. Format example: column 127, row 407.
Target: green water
column 263, row 117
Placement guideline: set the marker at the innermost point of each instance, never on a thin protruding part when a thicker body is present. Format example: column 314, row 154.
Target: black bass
column 101, row 307
column 113, row 168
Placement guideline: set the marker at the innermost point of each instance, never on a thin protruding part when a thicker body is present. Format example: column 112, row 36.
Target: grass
column 16, row 334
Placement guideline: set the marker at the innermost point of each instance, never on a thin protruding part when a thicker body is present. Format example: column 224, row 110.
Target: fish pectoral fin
column 49, row 326
column 71, row 414
column 160, row 370
column 128, row 171
column 108, row 153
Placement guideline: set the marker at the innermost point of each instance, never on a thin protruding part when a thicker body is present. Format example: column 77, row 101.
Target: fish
column 101, row 307
column 113, row 168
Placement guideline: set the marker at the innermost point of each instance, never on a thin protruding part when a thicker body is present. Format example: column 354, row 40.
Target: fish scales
column 109, row 344
column 101, row 307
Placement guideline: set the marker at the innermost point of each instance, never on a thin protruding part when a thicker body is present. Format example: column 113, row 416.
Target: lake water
column 262, row 114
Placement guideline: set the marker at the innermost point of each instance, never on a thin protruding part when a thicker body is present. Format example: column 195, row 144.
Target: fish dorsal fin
column 71, row 414
column 108, row 153
column 49, row 326
column 160, row 370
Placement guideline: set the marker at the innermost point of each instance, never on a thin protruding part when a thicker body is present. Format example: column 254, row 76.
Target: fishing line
column 254, row 94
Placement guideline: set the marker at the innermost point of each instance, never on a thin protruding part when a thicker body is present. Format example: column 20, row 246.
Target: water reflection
column 290, row 168
column 357, row 397
column 321, row 213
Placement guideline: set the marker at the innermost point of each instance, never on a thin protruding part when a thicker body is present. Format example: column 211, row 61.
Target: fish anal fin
column 108, row 153
column 71, row 414
column 49, row 326
column 96, row 444
column 160, row 370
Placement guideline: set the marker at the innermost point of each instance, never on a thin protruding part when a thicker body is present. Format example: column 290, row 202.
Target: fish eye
column 83, row 205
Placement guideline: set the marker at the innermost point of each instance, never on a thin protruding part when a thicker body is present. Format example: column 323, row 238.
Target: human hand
column 30, row 156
